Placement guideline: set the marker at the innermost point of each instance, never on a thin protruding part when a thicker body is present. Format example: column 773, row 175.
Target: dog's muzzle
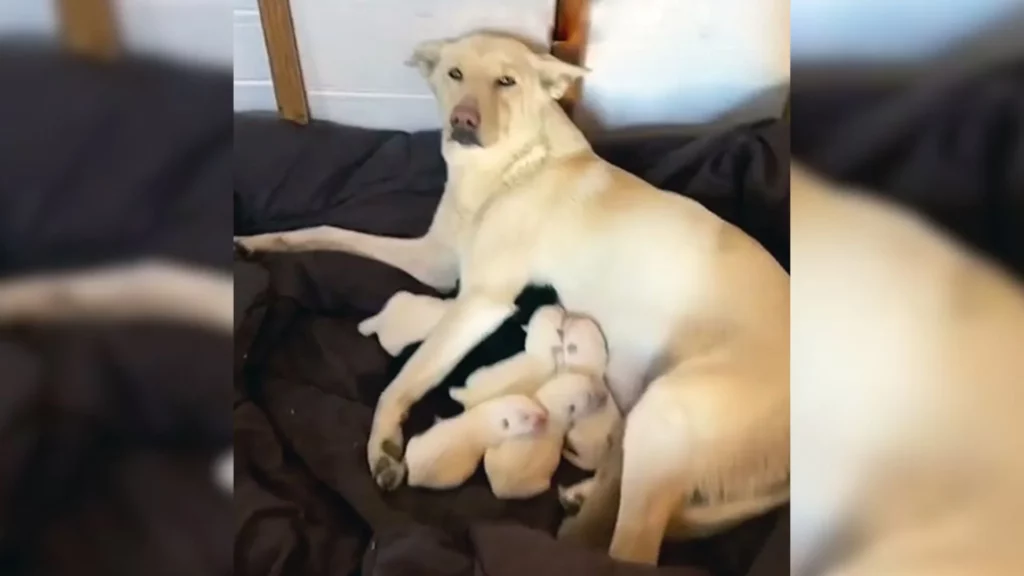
column 465, row 122
column 465, row 136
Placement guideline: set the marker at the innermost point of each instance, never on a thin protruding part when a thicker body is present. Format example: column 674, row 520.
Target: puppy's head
column 490, row 87
column 583, row 344
column 543, row 332
column 514, row 415
column 570, row 396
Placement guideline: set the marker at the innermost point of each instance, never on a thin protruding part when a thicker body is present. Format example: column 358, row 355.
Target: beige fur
column 523, row 373
column 584, row 350
column 908, row 433
column 406, row 318
column 146, row 290
column 695, row 312
column 448, row 453
column 522, row 467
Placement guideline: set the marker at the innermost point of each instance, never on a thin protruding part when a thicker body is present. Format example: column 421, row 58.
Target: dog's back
column 907, row 444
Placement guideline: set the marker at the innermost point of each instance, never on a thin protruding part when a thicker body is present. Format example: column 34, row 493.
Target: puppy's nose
column 465, row 116
column 540, row 422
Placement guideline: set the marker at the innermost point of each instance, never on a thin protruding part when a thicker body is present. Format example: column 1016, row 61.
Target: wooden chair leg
column 89, row 27
column 285, row 67
column 572, row 20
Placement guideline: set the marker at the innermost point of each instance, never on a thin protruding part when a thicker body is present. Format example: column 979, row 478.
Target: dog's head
column 491, row 87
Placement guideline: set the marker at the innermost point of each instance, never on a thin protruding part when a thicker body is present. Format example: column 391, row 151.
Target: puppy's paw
column 368, row 327
column 572, row 497
column 570, row 500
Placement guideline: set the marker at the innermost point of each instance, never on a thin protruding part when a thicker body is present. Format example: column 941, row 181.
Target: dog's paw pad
column 388, row 472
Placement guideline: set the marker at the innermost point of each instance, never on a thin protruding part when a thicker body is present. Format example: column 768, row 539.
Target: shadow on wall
column 749, row 109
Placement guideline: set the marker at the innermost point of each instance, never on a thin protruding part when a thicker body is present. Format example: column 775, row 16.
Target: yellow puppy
column 522, row 467
column 406, row 318
column 448, row 453
column 584, row 350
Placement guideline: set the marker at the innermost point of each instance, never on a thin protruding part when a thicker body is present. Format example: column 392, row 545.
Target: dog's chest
column 506, row 219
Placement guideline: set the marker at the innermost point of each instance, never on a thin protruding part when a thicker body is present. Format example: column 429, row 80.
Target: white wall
column 192, row 30
column 353, row 53
column 695, row 63
column 888, row 31
column 32, row 17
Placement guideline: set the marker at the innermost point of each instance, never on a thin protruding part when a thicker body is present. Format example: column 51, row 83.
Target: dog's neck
column 483, row 173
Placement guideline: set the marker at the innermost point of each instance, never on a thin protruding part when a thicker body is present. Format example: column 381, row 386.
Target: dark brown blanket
column 108, row 433
column 307, row 381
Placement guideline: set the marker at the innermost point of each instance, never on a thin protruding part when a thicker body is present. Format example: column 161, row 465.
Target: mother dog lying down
column 695, row 312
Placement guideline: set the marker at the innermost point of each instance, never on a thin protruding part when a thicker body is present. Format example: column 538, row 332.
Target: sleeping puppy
column 406, row 318
column 580, row 349
column 523, row 467
column 448, row 453
column 908, row 427
column 695, row 312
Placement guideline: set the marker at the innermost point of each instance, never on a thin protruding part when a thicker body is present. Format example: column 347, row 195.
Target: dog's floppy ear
column 426, row 55
column 556, row 76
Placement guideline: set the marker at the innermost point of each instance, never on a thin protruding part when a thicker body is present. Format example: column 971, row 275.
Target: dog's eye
column 504, row 423
column 455, row 74
column 506, row 81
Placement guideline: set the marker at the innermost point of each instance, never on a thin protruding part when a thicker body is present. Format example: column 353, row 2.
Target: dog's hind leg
column 655, row 458
column 428, row 259
column 594, row 524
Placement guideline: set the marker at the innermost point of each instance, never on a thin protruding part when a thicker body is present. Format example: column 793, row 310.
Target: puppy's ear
column 426, row 55
column 556, row 76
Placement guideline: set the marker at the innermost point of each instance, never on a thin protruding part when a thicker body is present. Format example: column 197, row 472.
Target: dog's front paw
column 386, row 465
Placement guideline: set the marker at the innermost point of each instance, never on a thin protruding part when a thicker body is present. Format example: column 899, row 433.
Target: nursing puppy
column 523, row 467
column 581, row 350
column 908, row 440
column 523, row 373
column 584, row 351
column 695, row 312
column 448, row 453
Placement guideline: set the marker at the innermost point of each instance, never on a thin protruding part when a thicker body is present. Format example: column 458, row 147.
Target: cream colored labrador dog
column 908, row 399
column 696, row 313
